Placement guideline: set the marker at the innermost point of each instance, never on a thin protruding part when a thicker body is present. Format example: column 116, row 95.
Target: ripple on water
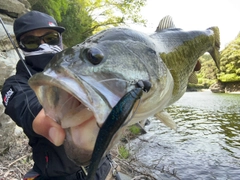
column 206, row 144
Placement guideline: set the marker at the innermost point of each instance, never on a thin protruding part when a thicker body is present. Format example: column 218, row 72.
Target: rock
column 8, row 55
column 9, row 10
column 26, row 3
column 218, row 87
column 6, row 19
column 124, row 176
column 225, row 87
column 232, row 87
column 13, row 8
column 7, row 128
column 18, row 131
column 7, row 63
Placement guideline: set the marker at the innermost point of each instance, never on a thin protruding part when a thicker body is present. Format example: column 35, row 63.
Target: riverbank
column 233, row 92
column 17, row 160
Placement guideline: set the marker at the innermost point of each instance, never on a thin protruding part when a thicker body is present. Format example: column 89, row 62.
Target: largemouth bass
column 82, row 84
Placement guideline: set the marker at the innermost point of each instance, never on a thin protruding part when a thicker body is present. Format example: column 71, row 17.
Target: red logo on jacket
column 8, row 96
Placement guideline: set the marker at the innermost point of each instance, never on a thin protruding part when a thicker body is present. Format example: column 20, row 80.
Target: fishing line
column 133, row 82
column 65, row 103
column 113, row 79
column 117, row 79
column 27, row 100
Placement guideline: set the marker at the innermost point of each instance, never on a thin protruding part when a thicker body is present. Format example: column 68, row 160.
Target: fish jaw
column 78, row 109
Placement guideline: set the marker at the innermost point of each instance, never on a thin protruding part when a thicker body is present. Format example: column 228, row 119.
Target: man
column 40, row 38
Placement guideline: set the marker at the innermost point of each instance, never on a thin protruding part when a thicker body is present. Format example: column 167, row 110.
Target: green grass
column 123, row 152
column 135, row 130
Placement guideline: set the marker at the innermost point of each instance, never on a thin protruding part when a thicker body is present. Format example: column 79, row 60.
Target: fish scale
column 180, row 59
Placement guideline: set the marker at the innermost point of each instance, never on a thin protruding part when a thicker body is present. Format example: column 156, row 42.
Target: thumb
column 48, row 128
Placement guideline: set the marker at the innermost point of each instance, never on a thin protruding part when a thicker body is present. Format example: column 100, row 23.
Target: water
column 206, row 145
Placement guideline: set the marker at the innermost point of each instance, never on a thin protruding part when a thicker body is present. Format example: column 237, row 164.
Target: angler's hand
column 47, row 127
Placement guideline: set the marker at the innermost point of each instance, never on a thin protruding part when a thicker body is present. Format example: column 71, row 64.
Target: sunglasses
column 33, row 42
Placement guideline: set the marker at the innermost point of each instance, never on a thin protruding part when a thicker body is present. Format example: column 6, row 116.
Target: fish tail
column 216, row 46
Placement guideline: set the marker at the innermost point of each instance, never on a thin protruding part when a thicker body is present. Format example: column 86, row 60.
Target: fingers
column 48, row 128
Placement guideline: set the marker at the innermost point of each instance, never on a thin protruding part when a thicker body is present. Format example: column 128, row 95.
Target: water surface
column 206, row 144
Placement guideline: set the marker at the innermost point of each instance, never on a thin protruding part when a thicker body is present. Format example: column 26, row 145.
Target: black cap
column 34, row 20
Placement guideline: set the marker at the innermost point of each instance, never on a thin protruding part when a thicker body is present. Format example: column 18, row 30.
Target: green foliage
column 238, row 71
column 207, row 74
column 77, row 22
column 135, row 130
column 229, row 66
column 123, row 152
column 193, row 87
column 52, row 7
column 230, row 62
column 233, row 77
column 109, row 13
column 206, row 82
column 82, row 18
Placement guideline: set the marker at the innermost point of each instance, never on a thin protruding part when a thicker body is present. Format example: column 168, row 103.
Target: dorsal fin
column 165, row 23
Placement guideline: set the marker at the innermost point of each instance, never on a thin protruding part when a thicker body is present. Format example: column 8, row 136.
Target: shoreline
column 237, row 92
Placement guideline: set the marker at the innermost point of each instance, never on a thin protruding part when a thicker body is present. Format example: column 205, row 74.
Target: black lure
column 114, row 121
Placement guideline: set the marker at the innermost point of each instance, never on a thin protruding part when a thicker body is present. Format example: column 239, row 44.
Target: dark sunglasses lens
column 31, row 42
column 51, row 38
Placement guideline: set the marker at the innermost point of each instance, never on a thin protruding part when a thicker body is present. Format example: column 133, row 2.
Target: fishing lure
column 114, row 121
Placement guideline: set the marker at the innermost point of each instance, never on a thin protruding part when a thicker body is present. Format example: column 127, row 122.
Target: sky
column 195, row 15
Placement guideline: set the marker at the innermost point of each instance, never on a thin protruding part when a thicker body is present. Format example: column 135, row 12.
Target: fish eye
column 94, row 56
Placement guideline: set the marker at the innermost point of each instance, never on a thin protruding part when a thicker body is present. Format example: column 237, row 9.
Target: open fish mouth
column 79, row 109
column 68, row 111
column 65, row 97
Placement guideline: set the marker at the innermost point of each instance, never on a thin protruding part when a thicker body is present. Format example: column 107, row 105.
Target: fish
column 82, row 84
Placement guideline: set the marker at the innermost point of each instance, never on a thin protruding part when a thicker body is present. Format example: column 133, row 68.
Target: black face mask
column 38, row 62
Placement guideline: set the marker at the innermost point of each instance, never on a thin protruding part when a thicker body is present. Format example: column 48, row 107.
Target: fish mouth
column 77, row 107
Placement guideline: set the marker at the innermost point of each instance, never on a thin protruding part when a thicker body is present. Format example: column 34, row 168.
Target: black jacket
column 22, row 106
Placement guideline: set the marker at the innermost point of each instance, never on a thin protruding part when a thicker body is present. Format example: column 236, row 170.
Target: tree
column 82, row 18
column 230, row 62
column 108, row 13
column 78, row 23
column 54, row 8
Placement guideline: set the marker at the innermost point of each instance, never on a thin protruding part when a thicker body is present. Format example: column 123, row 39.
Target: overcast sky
column 196, row 15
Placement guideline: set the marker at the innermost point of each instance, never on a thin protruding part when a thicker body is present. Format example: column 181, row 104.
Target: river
column 206, row 145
